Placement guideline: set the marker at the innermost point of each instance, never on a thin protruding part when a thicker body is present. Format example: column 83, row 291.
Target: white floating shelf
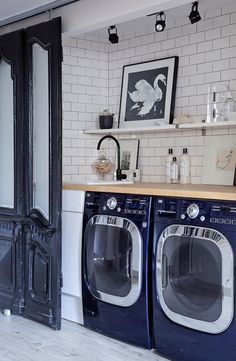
column 161, row 128
column 207, row 125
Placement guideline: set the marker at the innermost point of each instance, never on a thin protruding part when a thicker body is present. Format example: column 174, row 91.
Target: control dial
column 193, row 211
column 112, row 203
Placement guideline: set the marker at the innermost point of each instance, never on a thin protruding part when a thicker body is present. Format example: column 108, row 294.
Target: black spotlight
column 160, row 23
column 113, row 37
column 194, row 16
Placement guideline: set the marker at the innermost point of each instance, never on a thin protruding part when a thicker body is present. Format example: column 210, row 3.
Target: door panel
column 11, row 123
column 7, row 261
column 38, row 300
column 10, row 265
column 40, row 120
column 11, row 170
column 6, row 136
column 43, row 174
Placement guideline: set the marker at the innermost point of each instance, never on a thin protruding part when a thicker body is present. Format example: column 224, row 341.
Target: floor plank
column 25, row 340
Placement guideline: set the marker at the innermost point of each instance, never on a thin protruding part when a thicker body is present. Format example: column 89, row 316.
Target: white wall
column 207, row 52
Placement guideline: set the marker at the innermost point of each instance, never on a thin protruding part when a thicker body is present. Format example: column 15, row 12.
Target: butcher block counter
column 195, row 191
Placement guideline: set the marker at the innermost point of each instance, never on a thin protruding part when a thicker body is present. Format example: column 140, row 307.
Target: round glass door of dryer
column 113, row 259
column 194, row 277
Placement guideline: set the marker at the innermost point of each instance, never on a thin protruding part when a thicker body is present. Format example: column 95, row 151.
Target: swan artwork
column 146, row 94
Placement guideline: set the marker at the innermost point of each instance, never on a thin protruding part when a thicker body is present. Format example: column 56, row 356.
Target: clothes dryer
column 193, row 279
column 115, row 283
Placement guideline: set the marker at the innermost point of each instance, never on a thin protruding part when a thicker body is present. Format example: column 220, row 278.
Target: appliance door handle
column 129, row 265
column 129, row 271
column 164, row 270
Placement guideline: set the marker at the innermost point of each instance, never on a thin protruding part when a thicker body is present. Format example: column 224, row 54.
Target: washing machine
column 193, row 279
column 116, row 250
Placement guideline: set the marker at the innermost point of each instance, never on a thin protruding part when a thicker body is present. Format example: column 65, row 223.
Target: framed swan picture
column 148, row 93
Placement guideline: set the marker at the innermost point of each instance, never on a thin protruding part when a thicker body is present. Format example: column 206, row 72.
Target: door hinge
column 61, row 280
column 61, row 54
column 50, row 316
column 22, row 305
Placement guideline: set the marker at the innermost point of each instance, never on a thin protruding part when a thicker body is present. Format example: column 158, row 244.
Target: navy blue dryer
column 193, row 283
column 115, row 282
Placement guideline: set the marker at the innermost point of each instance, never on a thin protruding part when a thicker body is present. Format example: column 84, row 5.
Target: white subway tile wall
column 92, row 76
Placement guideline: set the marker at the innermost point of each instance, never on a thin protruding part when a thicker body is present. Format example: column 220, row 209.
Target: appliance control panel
column 188, row 210
column 223, row 214
column 166, row 207
column 135, row 205
column 109, row 203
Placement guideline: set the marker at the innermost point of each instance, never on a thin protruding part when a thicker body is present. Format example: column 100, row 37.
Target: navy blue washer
column 181, row 264
column 116, row 282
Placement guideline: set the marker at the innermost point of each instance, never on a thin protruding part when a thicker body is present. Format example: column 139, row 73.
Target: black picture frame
column 148, row 93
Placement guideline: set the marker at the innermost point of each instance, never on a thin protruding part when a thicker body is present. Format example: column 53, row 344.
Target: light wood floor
column 24, row 340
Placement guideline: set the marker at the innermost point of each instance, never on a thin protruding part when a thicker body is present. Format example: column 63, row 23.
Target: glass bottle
column 174, row 171
column 228, row 105
column 184, row 167
column 168, row 161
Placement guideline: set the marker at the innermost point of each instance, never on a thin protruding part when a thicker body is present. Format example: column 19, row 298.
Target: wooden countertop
column 161, row 189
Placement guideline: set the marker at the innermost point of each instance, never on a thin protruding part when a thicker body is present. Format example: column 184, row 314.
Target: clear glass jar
column 102, row 166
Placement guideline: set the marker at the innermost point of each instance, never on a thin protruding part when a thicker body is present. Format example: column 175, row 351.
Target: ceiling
column 77, row 18
column 180, row 13
column 13, row 10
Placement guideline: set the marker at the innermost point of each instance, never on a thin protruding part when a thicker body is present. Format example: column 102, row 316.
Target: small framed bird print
column 148, row 93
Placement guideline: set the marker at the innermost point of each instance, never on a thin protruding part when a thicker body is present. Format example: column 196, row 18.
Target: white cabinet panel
column 71, row 252
column 72, row 223
column 73, row 201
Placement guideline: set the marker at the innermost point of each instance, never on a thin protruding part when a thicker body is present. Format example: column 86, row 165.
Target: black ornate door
column 30, row 248
column 11, row 171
